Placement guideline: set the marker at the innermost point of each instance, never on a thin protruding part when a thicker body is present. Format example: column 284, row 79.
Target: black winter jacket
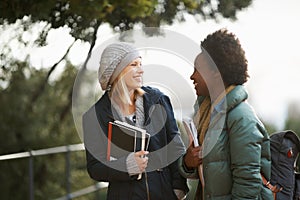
column 165, row 148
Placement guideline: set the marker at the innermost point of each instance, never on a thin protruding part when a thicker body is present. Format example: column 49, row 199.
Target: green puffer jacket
column 236, row 152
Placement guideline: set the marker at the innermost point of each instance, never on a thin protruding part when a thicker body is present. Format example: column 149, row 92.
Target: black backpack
column 285, row 147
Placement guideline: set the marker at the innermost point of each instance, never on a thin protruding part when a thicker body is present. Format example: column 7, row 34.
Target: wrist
column 132, row 166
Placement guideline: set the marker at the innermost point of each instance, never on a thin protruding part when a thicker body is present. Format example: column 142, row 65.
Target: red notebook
column 124, row 138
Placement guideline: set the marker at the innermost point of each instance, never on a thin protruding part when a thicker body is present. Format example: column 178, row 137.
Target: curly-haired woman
column 234, row 146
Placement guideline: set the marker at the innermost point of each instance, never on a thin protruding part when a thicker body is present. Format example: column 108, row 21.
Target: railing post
column 97, row 193
column 68, row 181
column 31, row 177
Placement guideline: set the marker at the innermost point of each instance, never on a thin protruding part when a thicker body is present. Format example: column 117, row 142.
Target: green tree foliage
column 84, row 17
column 25, row 126
column 32, row 126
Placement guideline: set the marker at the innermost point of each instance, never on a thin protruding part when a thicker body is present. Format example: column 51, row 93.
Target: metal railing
column 55, row 150
column 84, row 191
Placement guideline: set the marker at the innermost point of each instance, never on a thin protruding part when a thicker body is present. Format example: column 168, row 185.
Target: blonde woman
column 125, row 99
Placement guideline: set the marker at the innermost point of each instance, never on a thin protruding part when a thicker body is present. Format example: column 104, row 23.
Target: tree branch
column 80, row 74
column 41, row 88
column 93, row 42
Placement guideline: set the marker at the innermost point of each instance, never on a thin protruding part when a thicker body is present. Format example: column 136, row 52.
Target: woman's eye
column 136, row 64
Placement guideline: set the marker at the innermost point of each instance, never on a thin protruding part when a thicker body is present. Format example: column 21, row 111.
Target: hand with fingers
column 141, row 160
column 193, row 156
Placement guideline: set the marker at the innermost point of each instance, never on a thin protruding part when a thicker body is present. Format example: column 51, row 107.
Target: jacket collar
column 233, row 98
column 103, row 107
column 236, row 96
column 151, row 97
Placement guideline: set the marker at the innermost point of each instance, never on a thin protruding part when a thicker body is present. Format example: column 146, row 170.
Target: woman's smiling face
column 133, row 74
column 202, row 76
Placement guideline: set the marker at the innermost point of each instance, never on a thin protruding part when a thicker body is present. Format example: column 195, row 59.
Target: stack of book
column 124, row 138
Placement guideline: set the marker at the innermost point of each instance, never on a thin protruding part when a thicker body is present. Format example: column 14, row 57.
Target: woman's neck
column 128, row 109
column 132, row 97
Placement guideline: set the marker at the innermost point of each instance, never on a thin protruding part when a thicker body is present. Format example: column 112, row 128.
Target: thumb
column 190, row 140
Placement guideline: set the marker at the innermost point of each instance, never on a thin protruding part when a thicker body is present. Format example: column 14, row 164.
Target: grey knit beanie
column 114, row 59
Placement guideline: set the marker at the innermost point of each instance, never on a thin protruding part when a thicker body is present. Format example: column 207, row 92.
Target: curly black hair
column 227, row 53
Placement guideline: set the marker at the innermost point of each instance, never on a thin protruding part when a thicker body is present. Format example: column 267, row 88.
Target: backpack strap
column 273, row 188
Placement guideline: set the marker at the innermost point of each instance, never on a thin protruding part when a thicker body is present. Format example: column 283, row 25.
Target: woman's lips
column 138, row 78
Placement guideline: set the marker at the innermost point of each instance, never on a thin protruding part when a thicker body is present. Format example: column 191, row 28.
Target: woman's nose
column 140, row 69
column 192, row 76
